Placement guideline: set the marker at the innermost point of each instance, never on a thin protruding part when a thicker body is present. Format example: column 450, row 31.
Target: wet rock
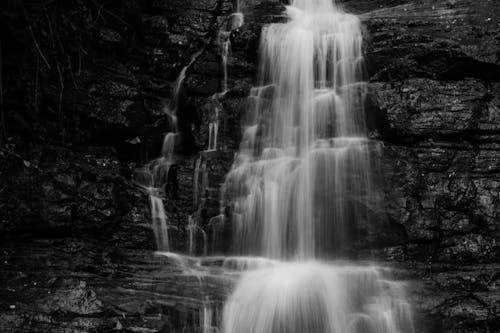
column 440, row 196
column 111, row 36
column 65, row 191
column 433, row 101
column 422, row 107
column 439, row 40
column 78, row 299
column 469, row 248
column 11, row 321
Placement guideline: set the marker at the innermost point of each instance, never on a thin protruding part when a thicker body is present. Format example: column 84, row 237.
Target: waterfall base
column 315, row 297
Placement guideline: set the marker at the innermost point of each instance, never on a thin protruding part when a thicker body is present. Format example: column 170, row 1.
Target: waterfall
column 237, row 18
column 234, row 22
column 213, row 130
column 200, row 180
column 195, row 231
column 159, row 218
column 182, row 76
column 225, row 45
column 316, row 298
column 153, row 178
column 206, row 323
column 301, row 182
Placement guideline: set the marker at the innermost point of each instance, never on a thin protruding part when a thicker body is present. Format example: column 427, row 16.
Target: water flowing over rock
column 91, row 91
column 320, row 298
column 302, row 178
column 153, row 179
column 303, row 162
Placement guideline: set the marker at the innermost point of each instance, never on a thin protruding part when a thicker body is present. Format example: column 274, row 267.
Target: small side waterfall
column 237, row 18
column 213, row 131
column 194, row 233
column 200, row 180
column 154, row 176
column 206, row 319
column 159, row 219
column 225, row 46
column 233, row 22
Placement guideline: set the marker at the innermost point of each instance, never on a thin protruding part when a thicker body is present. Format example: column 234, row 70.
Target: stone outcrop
column 434, row 72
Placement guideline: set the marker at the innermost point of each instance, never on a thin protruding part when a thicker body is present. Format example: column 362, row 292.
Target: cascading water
column 316, row 298
column 213, row 131
column 200, row 180
column 302, row 177
column 237, row 18
column 234, row 22
column 299, row 185
column 225, row 45
column 153, row 178
column 302, row 180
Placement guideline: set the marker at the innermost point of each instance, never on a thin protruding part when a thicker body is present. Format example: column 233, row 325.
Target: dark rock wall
column 83, row 76
column 434, row 72
column 87, row 89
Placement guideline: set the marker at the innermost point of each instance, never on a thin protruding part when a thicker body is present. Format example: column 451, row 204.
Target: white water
column 234, row 22
column 213, row 131
column 197, row 238
column 195, row 233
column 312, row 297
column 153, row 178
column 225, row 46
column 182, row 76
column 159, row 219
column 237, row 18
column 301, row 182
column 200, row 181
column 302, row 178
column 206, row 322
column 299, row 185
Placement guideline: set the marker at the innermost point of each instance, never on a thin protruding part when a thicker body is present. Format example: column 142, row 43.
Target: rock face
column 434, row 88
column 87, row 96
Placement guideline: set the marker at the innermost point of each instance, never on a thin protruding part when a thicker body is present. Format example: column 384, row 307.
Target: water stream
column 301, row 182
